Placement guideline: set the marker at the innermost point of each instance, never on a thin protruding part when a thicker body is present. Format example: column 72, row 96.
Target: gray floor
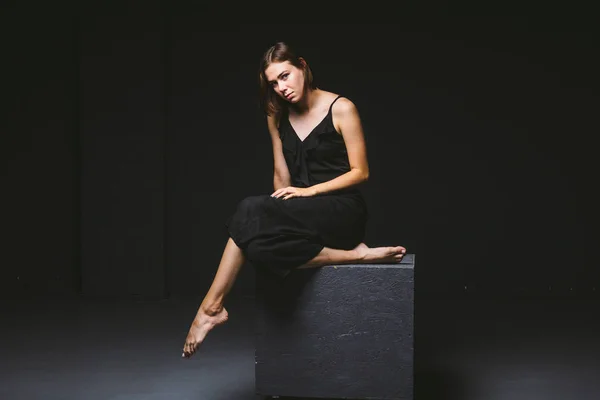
column 467, row 347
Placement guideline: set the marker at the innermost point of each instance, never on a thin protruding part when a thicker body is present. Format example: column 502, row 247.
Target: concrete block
column 339, row 331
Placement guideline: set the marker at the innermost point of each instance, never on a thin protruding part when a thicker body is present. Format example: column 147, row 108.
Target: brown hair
column 279, row 52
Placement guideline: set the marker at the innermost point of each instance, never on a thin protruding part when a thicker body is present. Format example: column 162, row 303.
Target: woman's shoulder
column 342, row 105
column 328, row 97
column 273, row 120
column 334, row 98
column 336, row 101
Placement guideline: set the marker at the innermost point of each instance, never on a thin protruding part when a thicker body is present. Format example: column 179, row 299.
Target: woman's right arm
column 281, row 174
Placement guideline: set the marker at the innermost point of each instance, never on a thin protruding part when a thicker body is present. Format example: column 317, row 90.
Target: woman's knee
column 252, row 204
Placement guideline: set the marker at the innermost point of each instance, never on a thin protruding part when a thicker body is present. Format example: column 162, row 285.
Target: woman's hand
column 290, row 191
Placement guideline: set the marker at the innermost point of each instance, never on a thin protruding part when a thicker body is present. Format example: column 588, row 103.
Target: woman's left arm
column 348, row 123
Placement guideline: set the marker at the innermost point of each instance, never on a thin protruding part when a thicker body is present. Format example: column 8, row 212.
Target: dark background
column 130, row 133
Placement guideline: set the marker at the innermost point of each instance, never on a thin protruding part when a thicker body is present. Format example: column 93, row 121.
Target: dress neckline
column 316, row 126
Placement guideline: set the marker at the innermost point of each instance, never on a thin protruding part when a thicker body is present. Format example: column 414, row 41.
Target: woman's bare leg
column 361, row 254
column 211, row 311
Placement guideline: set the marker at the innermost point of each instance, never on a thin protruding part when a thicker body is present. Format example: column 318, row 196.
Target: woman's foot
column 379, row 254
column 202, row 324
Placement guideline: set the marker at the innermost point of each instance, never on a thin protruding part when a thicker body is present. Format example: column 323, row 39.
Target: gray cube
column 343, row 332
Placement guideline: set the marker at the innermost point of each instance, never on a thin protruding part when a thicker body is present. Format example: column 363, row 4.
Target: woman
column 316, row 216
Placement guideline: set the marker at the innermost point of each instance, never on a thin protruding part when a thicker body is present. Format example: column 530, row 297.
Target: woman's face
column 286, row 80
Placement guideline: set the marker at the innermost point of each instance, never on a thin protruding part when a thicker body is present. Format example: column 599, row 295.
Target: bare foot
column 379, row 254
column 201, row 325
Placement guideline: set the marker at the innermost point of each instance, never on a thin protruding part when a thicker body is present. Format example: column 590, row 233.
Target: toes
column 395, row 251
column 399, row 250
column 398, row 257
column 188, row 350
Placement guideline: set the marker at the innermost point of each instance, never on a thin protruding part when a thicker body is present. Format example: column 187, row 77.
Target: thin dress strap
column 331, row 105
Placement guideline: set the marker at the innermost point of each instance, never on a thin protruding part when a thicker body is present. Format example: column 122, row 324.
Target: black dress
column 280, row 235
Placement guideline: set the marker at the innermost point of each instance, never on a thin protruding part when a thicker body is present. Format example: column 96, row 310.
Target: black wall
column 130, row 135
column 39, row 155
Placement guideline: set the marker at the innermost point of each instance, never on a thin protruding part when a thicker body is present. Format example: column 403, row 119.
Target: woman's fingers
column 282, row 192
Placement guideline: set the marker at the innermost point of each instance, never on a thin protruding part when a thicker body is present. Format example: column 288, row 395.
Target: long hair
column 279, row 52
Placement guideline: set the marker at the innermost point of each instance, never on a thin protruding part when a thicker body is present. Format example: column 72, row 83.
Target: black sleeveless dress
column 280, row 235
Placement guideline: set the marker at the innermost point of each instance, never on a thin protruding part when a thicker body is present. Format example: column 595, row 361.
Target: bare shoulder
column 273, row 121
column 345, row 115
column 344, row 110
column 344, row 106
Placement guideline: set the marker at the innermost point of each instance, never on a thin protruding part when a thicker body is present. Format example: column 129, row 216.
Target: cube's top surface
column 408, row 262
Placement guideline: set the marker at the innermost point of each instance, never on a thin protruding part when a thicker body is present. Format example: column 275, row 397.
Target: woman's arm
column 281, row 174
column 347, row 122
